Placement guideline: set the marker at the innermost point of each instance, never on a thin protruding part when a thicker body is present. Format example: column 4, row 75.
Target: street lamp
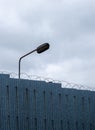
column 39, row 50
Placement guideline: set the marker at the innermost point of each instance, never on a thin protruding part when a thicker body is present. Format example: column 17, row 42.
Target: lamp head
column 43, row 47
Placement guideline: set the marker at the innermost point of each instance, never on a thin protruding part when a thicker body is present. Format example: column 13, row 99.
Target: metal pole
column 19, row 68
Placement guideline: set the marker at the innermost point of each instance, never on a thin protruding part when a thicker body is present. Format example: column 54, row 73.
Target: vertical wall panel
column 37, row 105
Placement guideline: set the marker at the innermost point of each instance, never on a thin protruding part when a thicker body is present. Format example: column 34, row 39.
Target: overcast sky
column 69, row 27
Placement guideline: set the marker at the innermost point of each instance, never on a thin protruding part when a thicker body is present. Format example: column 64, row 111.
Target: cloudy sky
column 69, row 27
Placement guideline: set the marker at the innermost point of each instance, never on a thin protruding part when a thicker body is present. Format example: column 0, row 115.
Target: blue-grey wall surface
column 38, row 105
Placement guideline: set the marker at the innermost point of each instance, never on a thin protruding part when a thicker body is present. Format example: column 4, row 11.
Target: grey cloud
column 69, row 26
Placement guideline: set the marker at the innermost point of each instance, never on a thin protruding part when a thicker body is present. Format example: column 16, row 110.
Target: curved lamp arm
column 39, row 50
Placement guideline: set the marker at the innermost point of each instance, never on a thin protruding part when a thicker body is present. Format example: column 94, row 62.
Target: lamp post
column 39, row 50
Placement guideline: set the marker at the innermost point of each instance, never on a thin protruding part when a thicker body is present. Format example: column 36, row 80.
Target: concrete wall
column 37, row 105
